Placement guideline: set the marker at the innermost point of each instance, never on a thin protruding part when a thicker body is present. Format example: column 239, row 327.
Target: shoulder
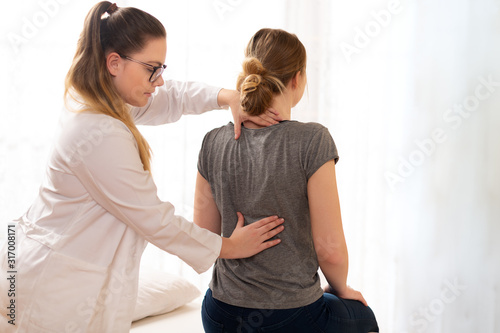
column 220, row 133
column 75, row 124
column 88, row 131
column 314, row 139
column 315, row 126
column 306, row 130
column 91, row 139
column 310, row 126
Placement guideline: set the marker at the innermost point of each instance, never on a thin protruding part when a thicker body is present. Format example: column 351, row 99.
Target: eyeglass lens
column 156, row 74
column 158, row 71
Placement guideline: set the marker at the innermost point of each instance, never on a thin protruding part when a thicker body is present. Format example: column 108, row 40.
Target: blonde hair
column 272, row 58
column 109, row 29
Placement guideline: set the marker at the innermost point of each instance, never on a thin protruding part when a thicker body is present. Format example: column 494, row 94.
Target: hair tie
column 111, row 9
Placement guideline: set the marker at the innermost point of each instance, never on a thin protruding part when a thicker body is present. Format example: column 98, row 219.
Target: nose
column 159, row 81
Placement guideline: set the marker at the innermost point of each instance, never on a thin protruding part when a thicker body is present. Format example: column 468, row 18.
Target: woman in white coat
column 78, row 247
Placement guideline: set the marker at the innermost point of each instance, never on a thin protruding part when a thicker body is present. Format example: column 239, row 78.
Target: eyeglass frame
column 155, row 68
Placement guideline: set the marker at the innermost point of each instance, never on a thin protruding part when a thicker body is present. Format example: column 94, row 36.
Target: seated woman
column 288, row 170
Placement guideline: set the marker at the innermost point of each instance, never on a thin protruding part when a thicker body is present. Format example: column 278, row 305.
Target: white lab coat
column 80, row 243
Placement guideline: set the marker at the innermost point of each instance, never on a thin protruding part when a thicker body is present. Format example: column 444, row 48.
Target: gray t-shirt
column 264, row 173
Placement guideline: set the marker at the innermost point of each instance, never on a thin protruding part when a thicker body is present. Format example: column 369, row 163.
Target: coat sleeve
column 174, row 99
column 112, row 173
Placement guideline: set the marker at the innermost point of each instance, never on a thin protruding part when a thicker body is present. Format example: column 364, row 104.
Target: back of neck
column 279, row 105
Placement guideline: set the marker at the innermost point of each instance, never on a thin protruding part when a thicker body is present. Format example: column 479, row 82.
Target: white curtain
column 409, row 90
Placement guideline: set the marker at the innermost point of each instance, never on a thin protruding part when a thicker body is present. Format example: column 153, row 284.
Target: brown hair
column 110, row 29
column 272, row 58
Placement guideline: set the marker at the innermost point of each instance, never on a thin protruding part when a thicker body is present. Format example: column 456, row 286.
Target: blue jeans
column 327, row 314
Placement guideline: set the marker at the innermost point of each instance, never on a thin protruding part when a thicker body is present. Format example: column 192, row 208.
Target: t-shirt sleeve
column 321, row 149
column 202, row 157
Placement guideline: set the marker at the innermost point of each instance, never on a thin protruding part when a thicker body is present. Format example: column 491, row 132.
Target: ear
column 113, row 63
column 296, row 80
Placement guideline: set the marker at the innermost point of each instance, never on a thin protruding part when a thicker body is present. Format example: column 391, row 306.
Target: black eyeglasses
column 157, row 70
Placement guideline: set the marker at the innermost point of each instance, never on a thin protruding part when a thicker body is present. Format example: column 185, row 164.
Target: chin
column 143, row 103
column 139, row 103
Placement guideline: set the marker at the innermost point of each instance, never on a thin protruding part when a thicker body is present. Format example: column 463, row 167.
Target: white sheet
column 186, row 319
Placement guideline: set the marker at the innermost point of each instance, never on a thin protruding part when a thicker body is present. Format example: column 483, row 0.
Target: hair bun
column 252, row 65
column 256, row 86
column 250, row 83
column 252, row 75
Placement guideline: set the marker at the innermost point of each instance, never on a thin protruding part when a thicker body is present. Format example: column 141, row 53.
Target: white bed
column 186, row 319
column 166, row 303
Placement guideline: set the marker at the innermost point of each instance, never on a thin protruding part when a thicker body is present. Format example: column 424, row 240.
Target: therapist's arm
column 174, row 99
column 231, row 98
column 245, row 241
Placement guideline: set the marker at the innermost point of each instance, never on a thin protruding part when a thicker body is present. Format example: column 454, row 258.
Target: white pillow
column 161, row 292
